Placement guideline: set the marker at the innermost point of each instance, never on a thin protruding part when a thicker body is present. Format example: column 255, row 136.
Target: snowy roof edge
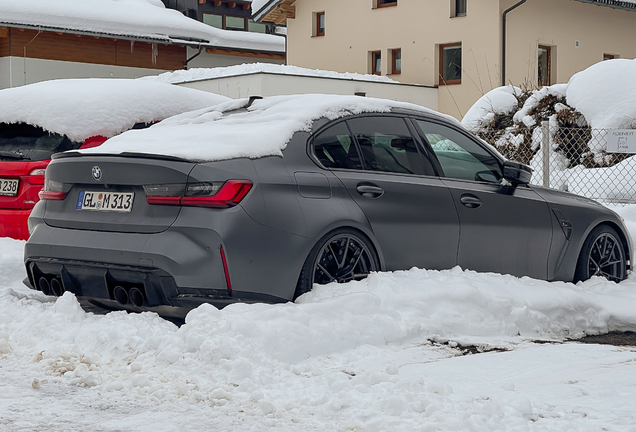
column 166, row 39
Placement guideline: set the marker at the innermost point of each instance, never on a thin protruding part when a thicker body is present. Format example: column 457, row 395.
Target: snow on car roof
column 264, row 129
column 141, row 18
column 82, row 108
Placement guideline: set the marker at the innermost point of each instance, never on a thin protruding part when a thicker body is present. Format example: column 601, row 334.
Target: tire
column 340, row 256
column 603, row 254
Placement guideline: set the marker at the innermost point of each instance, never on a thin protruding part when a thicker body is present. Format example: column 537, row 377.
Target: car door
column 411, row 212
column 503, row 229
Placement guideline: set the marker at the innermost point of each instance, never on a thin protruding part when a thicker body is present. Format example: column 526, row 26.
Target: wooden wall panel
column 169, row 57
column 4, row 41
column 91, row 49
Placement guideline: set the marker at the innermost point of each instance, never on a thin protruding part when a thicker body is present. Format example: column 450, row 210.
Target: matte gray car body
column 181, row 256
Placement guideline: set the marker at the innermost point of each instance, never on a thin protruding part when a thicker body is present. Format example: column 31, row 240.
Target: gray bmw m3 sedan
column 258, row 200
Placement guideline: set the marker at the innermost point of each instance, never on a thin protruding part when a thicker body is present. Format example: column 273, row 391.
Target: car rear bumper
column 13, row 223
column 175, row 270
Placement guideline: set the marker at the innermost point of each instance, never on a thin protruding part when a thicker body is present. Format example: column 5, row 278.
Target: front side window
column 376, row 62
column 334, row 148
column 386, row 145
column 545, row 65
column 460, row 157
column 450, row 64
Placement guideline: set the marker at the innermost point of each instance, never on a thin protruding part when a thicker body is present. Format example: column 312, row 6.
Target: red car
column 41, row 119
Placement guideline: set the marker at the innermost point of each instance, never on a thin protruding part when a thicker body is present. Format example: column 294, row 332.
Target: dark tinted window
column 334, row 148
column 460, row 157
column 387, row 145
column 20, row 141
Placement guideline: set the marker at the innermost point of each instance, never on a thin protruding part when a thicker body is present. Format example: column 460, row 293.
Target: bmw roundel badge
column 97, row 173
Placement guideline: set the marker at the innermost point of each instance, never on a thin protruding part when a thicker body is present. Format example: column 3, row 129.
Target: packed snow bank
column 501, row 100
column 606, row 94
column 373, row 355
column 197, row 74
column 82, row 108
column 263, row 130
column 142, row 18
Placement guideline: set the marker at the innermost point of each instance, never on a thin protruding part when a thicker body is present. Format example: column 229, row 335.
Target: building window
column 396, row 61
column 544, row 65
column 229, row 22
column 450, row 64
column 376, row 62
column 384, row 3
column 319, row 23
column 608, row 57
column 213, row 20
column 458, row 8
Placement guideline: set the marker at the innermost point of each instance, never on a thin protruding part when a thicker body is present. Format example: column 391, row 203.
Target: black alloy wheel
column 341, row 256
column 602, row 255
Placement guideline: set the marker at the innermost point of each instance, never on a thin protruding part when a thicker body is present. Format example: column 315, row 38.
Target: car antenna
column 251, row 101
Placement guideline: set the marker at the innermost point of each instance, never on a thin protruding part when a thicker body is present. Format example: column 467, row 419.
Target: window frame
column 607, row 56
column 375, row 56
column 457, row 6
column 317, row 17
column 394, row 69
column 442, row 81
column 548, row 49
column 390, row 3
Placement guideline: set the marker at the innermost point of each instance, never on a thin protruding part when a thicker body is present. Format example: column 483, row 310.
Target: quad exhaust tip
column 133, row 295
column 51, row 287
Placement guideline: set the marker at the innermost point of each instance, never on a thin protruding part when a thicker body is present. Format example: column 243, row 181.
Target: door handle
column 470, row 201
column 369, row 190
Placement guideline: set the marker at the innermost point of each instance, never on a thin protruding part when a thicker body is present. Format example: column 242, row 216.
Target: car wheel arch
column 622, row 238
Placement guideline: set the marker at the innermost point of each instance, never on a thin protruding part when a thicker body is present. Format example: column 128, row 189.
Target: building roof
column 616, row 4
column 276, row 11
column 147, row 20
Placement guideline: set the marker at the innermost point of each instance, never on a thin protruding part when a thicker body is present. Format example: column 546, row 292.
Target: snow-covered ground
column 383, row 354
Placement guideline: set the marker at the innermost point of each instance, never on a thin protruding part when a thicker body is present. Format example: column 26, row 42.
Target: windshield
column 23, row 142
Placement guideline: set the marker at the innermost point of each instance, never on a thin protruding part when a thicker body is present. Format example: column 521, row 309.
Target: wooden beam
column 203, row 1
column 239, row 53
column 231, row 4
column 217, row 2
column 246, row 6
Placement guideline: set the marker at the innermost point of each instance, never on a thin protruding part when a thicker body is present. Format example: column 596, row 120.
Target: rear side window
column 23, row 142
column 334, row 148
column 460, row 157
column 387, row 145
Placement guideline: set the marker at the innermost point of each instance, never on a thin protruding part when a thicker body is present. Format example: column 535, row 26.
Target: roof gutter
column 503, row 41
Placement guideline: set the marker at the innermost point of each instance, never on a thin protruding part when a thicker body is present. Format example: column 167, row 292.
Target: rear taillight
column 35, row 177
column 202, row 194
column 54, row 190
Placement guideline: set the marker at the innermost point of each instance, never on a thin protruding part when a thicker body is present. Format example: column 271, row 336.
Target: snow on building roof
column 82, row 108
column 198, row 74
column 143, row 19
column 264, row 129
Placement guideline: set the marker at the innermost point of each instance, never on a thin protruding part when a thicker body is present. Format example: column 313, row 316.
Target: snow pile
column 264, row 129
column 606, row 94
column 142, row 18
column 373, row 355
column 82, row 108
column 197, row 74
column 501, row 100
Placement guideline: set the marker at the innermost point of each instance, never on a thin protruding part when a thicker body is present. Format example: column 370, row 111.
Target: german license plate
column 9, row 186
column 105, row 201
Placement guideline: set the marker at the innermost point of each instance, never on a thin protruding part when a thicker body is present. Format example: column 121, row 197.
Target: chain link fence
column 573, row 159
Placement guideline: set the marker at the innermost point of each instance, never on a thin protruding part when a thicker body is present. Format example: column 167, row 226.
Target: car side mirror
column 517, row 173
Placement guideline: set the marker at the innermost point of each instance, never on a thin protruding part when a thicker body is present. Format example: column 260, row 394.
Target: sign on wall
column 621, row 141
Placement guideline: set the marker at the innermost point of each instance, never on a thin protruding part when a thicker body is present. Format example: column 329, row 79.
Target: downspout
column 185, row 65
column 503, row 41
